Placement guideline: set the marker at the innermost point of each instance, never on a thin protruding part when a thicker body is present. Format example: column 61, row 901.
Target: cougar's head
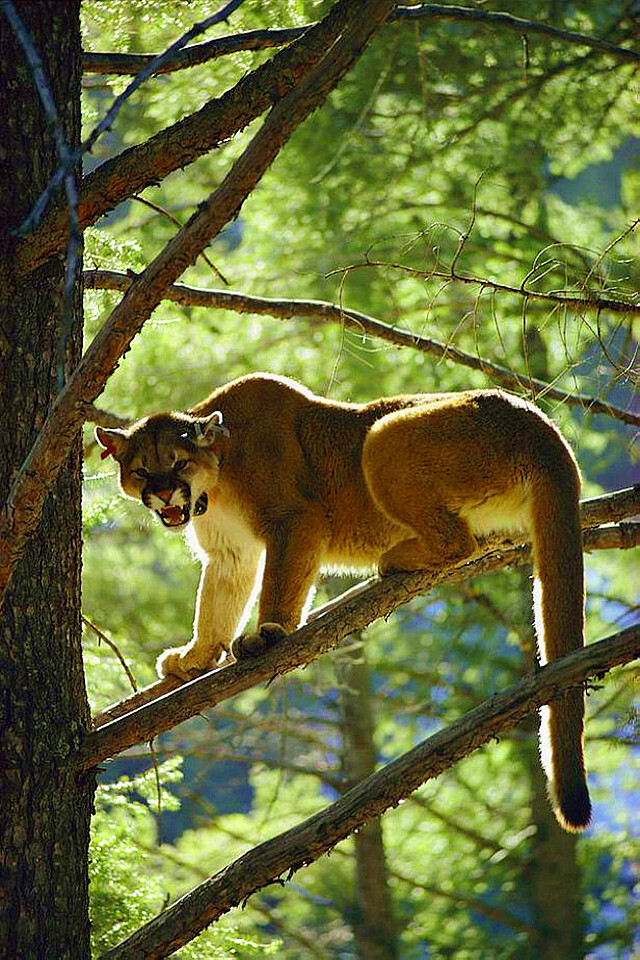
column 169, row 461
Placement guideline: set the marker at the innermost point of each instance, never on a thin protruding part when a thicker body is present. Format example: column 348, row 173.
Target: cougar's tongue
column 172, row 516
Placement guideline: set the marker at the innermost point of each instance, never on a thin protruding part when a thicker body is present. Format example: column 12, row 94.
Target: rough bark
column 373, row 921
column 44, row 825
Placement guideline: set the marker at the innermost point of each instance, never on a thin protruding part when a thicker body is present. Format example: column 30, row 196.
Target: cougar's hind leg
column 403, row 470
column 442, row 539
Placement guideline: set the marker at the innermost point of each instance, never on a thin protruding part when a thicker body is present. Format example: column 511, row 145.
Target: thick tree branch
column 166, row 703
column 131, row 63
column 305, row 843
column 334, row 313
column 24, row 506
column 68, row 163
column 184, row 142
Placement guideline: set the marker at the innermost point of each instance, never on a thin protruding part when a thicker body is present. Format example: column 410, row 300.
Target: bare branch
column 129, row 63
column 26, row 497
column 102, row 637
column 594, row 303
column 331, row 312
column 518, row 25
column 305, row 843
column 166, row 703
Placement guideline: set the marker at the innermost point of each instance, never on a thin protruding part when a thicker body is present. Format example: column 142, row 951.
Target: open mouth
column 177, row 516
column 174, row 516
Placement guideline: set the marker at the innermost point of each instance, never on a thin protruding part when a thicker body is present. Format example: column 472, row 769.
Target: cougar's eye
column 180, row 464
column 141, row 472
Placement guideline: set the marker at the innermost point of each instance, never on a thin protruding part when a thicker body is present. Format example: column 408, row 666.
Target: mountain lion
column 264, row 467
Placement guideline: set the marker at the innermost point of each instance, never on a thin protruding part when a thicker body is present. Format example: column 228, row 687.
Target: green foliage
column 448, row 144
column 126, row 888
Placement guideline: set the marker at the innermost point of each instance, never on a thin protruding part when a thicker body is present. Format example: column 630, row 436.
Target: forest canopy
column 459, row 209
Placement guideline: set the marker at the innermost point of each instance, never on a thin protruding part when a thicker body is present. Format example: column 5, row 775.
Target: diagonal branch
column 26, row 497
column 332, row 312
column 166, row 703
column 305, row 843
column 183, row 142
column 70, row 160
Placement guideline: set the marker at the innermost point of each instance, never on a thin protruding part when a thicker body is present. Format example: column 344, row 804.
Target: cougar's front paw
column 188, row 661
column 253, row 644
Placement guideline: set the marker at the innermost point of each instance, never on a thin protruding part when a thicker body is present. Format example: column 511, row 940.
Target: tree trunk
column 554, row 879
column 373, row 924
column 44, row 827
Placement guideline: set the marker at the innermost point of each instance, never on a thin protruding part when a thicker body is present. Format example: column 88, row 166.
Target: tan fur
column 401, row 483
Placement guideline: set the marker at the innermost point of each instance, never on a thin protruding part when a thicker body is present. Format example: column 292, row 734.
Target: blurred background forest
column 451, row 147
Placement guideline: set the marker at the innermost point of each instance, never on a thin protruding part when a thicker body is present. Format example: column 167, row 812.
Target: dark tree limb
column 69, row 161
column 183, row 142
column 131, row 63
column 164, row 704
column 26, row 497
column 507, row 21
column 334, row 313
column 305, row 843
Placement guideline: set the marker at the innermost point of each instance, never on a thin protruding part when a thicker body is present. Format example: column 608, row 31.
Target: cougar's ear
column 113, row 442
column 210, row 431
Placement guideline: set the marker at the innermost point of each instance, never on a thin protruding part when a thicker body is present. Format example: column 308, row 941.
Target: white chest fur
column 223, row 532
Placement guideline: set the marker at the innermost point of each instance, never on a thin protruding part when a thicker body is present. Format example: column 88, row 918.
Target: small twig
column 467, row 233
column 174, row 220
column 594, row 303
column 156, row 770
column 102, row 636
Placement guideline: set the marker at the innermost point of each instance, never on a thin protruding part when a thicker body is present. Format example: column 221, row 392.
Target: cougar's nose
column 165, row 495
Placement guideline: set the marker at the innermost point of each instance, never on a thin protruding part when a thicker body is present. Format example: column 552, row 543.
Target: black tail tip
column 573, row 809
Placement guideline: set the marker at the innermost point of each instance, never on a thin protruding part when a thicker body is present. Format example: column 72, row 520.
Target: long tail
column 558, row 595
